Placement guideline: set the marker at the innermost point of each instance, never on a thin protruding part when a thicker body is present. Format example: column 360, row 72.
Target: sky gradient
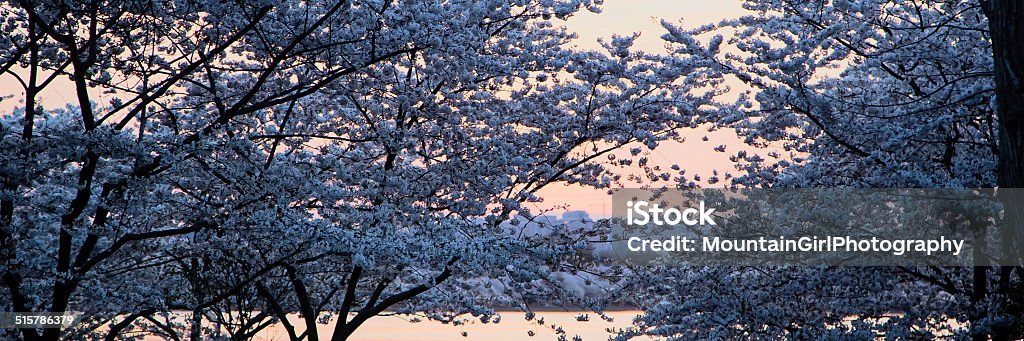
column 643, row 16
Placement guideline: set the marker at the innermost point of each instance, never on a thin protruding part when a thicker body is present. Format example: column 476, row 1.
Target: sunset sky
column 643, row 16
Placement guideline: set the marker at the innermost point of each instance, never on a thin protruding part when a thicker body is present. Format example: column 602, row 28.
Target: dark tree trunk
column 1006, row 25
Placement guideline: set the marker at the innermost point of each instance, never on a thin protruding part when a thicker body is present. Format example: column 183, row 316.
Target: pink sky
column 625, row 17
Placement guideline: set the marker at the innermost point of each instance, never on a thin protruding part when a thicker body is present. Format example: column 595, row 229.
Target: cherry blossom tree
column 222, row 165
column 856, row 94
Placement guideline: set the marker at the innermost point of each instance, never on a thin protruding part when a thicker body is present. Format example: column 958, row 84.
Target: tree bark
column 1006, row 26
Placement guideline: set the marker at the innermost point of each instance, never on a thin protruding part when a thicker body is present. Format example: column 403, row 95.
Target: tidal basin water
column 513, row 326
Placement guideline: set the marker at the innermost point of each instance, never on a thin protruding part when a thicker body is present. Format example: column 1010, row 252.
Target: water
column 513, row 326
